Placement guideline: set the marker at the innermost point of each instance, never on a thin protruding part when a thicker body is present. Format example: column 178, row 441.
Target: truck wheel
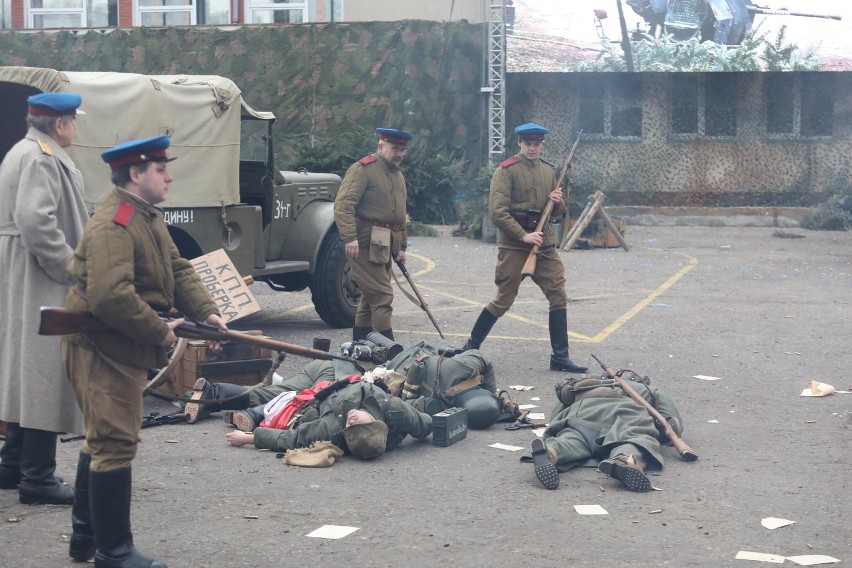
column 333, row 291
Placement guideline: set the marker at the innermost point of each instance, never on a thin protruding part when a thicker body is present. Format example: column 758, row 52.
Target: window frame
column 701, row 119
column 796, row 88
column 138, row 10
column 612, row 104
column 251, row 6
column 33, row 12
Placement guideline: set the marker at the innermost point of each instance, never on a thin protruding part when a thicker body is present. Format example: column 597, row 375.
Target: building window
column 57, row 14
column 276, row 11
column 165, row 13
column 610, row 106
column 703, row 105
column 799, row 108
column 6, row 14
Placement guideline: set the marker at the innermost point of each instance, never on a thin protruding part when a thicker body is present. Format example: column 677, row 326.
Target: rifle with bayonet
column 148, row 421
column 686, row 453
column 63, row 321
column 422, row 302
column 532, row 258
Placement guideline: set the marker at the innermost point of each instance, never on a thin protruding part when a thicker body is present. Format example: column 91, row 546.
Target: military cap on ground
column 531, row 132
column 137, row 152
column 394, row 136
column 54, row 104
column 366, row 441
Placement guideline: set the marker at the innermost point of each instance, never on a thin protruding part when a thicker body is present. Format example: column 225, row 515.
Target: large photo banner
column 678, row 35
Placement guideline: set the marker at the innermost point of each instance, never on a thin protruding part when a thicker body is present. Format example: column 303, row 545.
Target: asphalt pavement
column 760, row 312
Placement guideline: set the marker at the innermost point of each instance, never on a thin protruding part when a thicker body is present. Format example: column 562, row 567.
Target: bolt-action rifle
column 148, row 421
column 420, row 301
column 685, row 451
column 63, row 321
column 532, row 258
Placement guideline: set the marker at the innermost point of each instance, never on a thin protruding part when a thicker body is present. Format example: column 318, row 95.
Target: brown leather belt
column 393, row 227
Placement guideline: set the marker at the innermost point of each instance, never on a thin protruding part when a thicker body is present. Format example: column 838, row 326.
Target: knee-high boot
column 10, row 456
column 216, row 391
column 559, row 360
column 82, row 545
column 38, row 484
column 360, row 332
column 109, row 496
column 480, row 331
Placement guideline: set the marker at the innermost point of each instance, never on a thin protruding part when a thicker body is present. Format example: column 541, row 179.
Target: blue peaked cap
column 531, row 131
column 395, row 136
column 54, row 104
column 138, row 151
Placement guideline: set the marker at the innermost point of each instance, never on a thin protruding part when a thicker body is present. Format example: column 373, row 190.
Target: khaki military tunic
column 127, row 269
column 371, row 207
column 519, row 184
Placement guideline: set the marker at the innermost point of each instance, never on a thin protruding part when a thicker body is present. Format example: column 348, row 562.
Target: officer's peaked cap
column 54, row 104
column 394, row 136
column 531, row 131
column 137, row 152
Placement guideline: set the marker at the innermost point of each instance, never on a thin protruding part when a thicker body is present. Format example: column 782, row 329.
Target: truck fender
column 309, row 231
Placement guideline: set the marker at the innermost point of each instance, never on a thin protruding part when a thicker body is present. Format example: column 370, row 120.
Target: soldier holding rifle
column 126, row 269
column 520, row 189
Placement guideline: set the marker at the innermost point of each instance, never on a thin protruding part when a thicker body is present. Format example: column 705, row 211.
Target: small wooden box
column 237, row 363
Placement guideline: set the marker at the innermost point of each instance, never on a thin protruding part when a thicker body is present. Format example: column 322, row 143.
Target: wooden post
column 611, row 226
column 570, row 232
column 583, row 222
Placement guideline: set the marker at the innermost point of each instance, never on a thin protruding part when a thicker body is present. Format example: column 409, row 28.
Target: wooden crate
column 237, row 363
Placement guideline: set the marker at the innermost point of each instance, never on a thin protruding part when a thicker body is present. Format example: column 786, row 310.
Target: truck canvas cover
column 201, row 114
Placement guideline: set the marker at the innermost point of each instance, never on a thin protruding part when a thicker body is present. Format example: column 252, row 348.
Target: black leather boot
column 247, row 420
column 215, row 391
column 82, row 546
column 10, row 457
column 559, row 360
column 387, row 333
column 480, row 331
column 359, row 333
column 38, row 462
column 109, row 496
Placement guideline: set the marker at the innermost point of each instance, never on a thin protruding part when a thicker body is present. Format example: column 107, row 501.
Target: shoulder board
column 45, row 147
column 543, row 161
column 123, row 213
column 510, row 161
column 367, row 160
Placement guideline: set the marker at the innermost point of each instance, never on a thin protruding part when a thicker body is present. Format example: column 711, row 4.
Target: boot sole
column 192, row 410
column 545, row 471
column 242, row 422
column 631, row 478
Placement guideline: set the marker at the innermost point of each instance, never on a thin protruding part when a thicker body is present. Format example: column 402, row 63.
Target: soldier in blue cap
column 520, row 189
column 126, row 269
column 42, row 214
column 370, row 213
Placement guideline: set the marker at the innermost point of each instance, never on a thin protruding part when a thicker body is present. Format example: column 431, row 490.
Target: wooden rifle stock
column 62, row 321
column 686, row 453
column 532, row 258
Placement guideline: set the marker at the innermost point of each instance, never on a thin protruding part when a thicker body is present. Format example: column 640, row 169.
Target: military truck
column 277, row 226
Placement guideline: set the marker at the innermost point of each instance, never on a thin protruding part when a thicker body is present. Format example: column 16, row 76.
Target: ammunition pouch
column 569, row 391
column 527, row 219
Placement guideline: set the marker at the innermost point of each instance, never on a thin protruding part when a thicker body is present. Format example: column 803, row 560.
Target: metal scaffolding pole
column 496, row 54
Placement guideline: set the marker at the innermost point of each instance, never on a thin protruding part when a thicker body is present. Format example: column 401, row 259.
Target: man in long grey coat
column 42, row 214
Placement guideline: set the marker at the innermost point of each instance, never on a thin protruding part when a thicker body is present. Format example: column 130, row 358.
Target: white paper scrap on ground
column 706, row 378
column 812, row 559
column 536, row 415
column 535, row 398
column 712, row 421
column 760, row 557
column 506, row 447
column 527, row 406
column 332, row 531
column 539, row 432
column 818, row 388
column 590, row 510
column 775, row 523
column 521, row 387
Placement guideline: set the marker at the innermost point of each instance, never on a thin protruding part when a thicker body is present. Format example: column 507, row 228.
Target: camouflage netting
column 318, row 79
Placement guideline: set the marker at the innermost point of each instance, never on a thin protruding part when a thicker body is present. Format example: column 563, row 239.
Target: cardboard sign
column 226, row 286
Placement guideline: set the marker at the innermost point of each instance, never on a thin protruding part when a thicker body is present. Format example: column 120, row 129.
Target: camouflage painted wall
column 749, row 169
column 318, row 79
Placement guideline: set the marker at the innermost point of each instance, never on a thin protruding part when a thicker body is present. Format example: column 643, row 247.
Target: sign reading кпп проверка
column 226, row 286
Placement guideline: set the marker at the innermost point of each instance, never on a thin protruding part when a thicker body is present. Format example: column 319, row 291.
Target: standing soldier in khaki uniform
column 520, row 188
column 370, row 214
column 127, row 269
column 42, row 214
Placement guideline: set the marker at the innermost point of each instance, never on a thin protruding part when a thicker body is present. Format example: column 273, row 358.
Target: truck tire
column 333, row 291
